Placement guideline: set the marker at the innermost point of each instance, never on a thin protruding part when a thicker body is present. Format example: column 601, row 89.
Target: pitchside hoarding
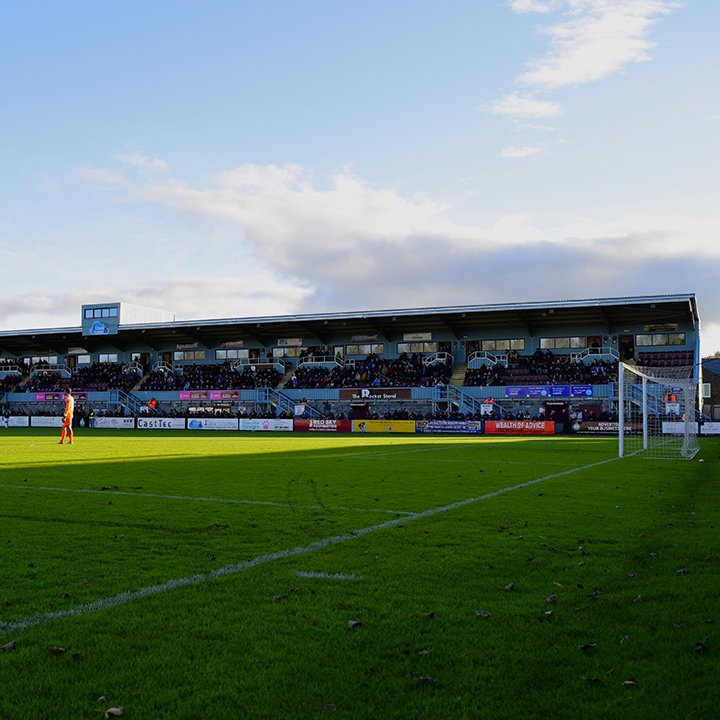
column 708, row 428
column 597, row 427
column 678, row 428
column 18, row 421
column 519, row 427
column 148, row 423
column 115, row 423
column 323, row 425
column 384, row 426
column 48, row 422
column 448, row 426
column 212, row 424
column 269, row 424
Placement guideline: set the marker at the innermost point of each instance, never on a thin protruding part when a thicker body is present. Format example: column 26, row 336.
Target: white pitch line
column 203, row 499
column 325, row 576
column 126, row 597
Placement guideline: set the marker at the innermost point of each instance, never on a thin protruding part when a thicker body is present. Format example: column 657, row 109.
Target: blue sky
column 224, row 159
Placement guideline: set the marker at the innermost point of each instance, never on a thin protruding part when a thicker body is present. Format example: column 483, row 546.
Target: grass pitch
column 200, row 575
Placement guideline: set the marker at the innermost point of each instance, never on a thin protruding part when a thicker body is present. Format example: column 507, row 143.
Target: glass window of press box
column 93, row 313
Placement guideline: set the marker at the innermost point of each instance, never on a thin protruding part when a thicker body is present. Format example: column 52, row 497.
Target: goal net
column 656, row 412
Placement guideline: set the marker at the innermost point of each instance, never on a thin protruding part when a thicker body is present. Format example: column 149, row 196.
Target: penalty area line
column 126, row 597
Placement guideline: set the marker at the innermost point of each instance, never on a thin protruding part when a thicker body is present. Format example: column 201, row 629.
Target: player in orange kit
column 68, row 417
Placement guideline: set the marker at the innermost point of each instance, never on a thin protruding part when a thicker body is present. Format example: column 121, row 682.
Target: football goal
column 656, row 412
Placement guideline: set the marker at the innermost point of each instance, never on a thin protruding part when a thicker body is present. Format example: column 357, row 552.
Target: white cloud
column 307, row 232
column 141, row 162
column 527, row 6
column 522, row 106
column 523, row 152
column 600, row 39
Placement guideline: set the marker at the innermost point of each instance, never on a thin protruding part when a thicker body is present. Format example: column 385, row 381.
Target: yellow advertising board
column 384, row 426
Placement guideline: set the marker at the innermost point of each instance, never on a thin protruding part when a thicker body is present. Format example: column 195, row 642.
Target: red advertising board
column 519, row 427
column 323, row 425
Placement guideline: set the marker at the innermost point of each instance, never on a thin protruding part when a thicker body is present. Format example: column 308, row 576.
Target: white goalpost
column 656, row 412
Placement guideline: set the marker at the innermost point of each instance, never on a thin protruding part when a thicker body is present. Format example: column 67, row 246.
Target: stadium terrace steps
column 288, row 374
column 458, row 376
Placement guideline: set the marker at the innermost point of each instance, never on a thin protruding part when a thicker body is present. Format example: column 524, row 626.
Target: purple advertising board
column 515, row 391
column 582, row 390
column 59, row 397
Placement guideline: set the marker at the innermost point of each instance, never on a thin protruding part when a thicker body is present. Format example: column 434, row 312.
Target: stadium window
column 83, row 359
column 48, row 359
column 417, row 347
column 646, row 340
column 365, row 349
column 189, row 355
column 279, row 352
column 107, row 358
column 563, row 343
column 231, row 354
column 91, row 313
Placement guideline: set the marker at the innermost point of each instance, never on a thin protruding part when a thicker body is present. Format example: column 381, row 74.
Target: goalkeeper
column 68, row 417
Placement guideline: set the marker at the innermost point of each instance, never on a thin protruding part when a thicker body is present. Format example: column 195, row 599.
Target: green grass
column 157, row 506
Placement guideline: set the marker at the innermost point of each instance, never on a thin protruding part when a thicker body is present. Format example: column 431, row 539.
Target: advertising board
column 115, row 423
column 384, row 426
column 601, row 427
column 519, row 427
column 265, row 424
column 59, row 397
column 323, row 425
column 208, row 394
column 54, row 421
column 18, row 421
column 708, row 428
column 677, row 428
column 448, row 426
column 212, row 424
column 153, row 423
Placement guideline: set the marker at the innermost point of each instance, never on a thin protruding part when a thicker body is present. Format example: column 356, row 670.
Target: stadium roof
column 461, row 321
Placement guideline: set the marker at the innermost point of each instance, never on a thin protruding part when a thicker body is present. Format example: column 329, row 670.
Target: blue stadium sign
column 98, row 328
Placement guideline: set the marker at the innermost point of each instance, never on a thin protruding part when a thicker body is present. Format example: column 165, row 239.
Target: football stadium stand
column 504, row 360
